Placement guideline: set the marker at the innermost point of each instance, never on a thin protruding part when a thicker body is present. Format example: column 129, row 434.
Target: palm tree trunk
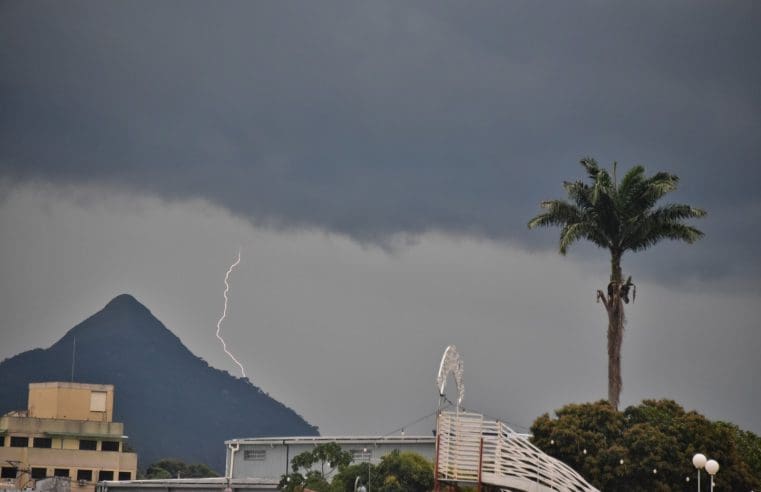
column 614, row 307
column 615, row 338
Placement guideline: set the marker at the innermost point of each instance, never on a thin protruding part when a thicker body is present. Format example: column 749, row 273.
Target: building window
column 19, row 442
column 39, row 473
column 254, row 454
column 42, row 442
column 85, row 475
column 88, row 445
column 8, row 472
column 361, row 455
column 125, row 475
column 109, row 446
column 61, row 472
column 105, row 475
column 2, row 441
column 98, row 401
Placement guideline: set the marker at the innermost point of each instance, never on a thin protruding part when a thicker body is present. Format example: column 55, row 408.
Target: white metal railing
column 471, row 448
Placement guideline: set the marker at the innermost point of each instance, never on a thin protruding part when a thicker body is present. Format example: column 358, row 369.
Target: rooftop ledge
column 337, row 439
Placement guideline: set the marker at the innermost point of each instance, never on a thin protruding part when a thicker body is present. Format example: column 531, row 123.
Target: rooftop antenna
column 73, row 357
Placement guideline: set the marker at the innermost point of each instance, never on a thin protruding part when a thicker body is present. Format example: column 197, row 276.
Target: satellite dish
column 451, row 363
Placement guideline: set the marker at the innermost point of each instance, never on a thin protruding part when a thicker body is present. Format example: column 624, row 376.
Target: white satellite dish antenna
column 451, row 363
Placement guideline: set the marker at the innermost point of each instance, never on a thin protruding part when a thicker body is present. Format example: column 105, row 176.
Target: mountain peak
column 122, row 301
column 123, row 319
column 126, row 305
column 162, row 389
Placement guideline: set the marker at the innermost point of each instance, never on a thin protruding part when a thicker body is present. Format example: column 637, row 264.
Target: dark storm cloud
column 377, row 118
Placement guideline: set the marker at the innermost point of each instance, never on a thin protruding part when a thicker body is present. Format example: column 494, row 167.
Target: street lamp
column 699, row 461
column 368, row 468
column 712, row 467
column 356, row 483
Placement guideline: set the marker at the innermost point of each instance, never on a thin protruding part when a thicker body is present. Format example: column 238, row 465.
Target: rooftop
column 191, row 483
column 64, row 384
column 336, row 439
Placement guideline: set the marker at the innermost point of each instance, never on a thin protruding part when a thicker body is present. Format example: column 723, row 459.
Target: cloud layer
column 142, row 142
column 350, row 336
column 380, row 119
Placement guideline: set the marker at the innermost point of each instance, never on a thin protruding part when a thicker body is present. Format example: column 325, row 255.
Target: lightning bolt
column 224, row 315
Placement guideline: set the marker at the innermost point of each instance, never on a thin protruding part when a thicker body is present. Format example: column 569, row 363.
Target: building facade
column 190, row 485
column 66, row 431
column 270, row 458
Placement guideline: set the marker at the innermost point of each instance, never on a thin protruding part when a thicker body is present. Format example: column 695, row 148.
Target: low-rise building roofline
column 67, row 384
column 202, row 483
column 325, row 439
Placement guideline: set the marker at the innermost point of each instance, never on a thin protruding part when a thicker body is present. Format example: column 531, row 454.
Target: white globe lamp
column 699, row 462
column 712, row 467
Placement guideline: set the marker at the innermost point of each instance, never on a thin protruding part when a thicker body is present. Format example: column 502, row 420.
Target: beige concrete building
column 66, row 431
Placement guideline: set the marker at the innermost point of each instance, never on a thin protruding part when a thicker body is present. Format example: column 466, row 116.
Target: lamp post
column 712, row 467
column 368, row 468
column 699, row 461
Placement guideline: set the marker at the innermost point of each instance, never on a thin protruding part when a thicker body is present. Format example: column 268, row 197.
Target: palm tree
column 619, row 217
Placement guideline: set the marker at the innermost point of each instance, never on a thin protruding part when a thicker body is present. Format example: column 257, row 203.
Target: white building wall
column 271, row 458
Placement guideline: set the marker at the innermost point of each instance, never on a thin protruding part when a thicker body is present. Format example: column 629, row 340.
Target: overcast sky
column 377, row 162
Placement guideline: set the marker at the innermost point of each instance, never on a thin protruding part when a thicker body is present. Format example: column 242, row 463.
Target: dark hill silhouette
column 172, row 403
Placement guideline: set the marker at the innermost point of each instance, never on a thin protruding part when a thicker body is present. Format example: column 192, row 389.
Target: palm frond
column 591, row 166
column 655, row 187
column 632, row 177
column 558, row 212
column 581, row 230
column 676, row 212
column 603, row 186
column 669, row 230
column 580, row 193
column 619, row 216
column 570, row 234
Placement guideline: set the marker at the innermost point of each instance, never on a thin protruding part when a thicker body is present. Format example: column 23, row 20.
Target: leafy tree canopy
column 396, row 472
column 171, row 468
column 403, row 471
column 345, row 478
column 312, row 468
column 648, row 447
